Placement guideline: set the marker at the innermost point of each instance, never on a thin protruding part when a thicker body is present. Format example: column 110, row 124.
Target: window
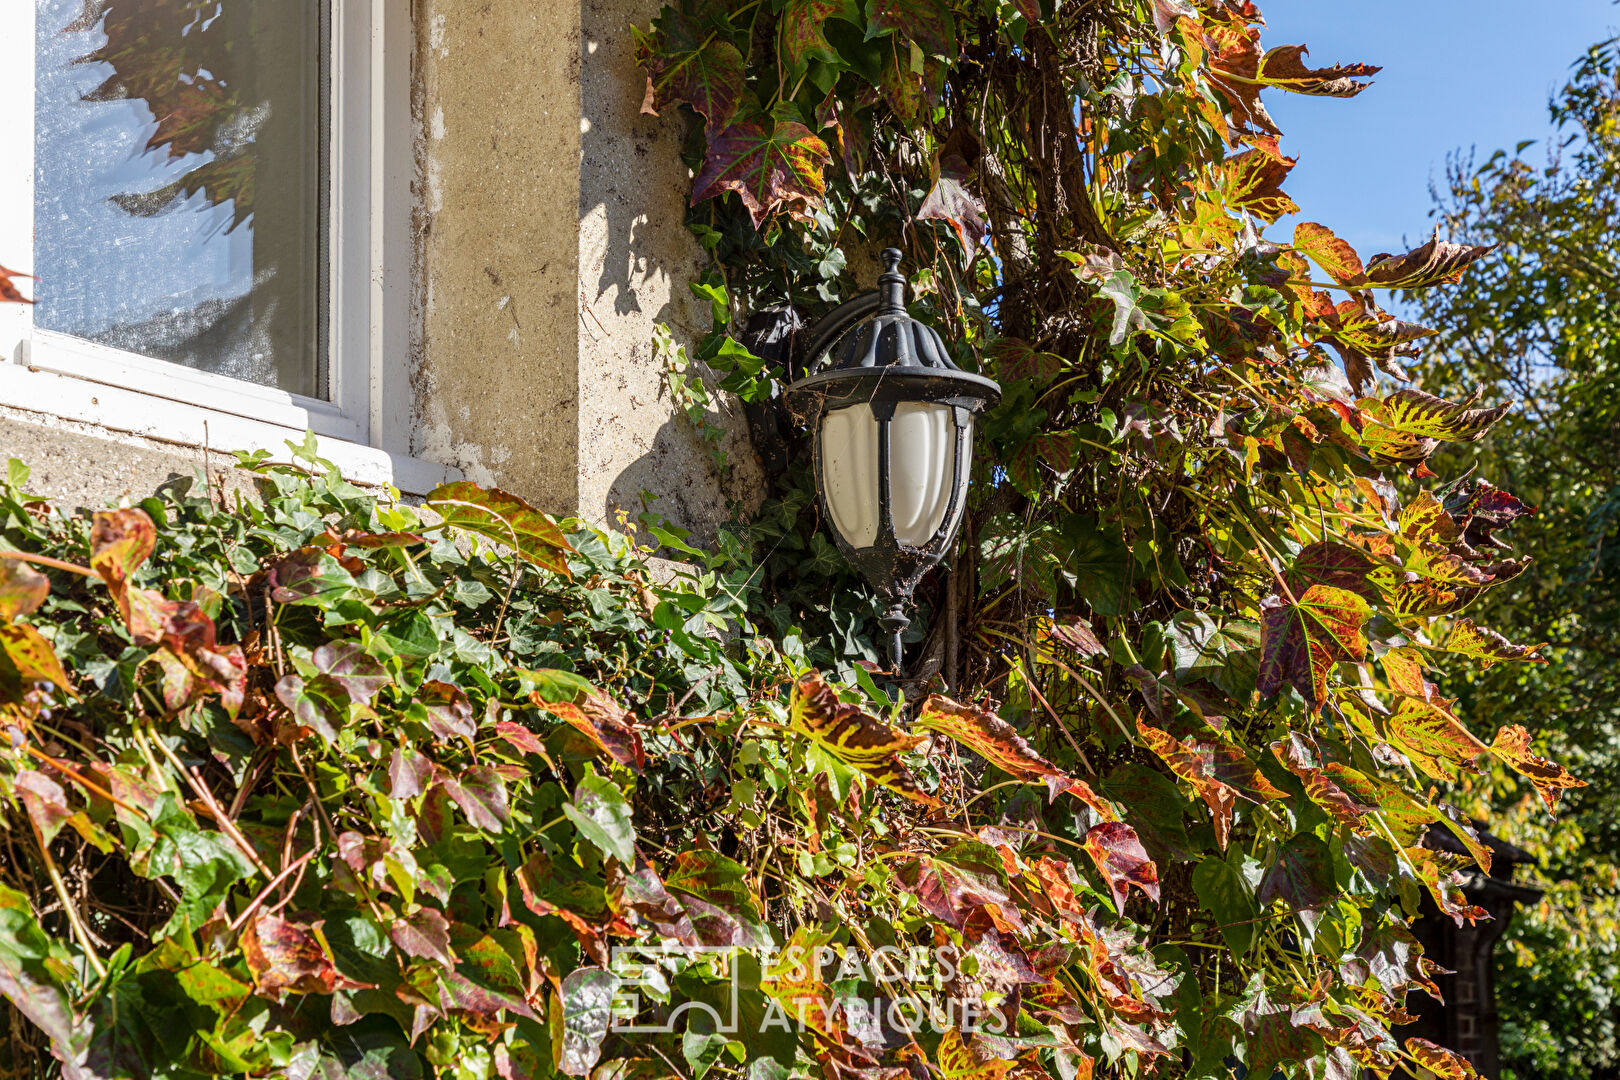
column 213, row 196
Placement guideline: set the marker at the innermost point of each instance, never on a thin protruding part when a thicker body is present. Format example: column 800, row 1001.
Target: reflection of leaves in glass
column 184, row 60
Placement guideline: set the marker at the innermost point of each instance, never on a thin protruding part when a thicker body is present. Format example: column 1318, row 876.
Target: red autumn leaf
column 449, row 712
column 1489, row 647
column 1512, row 746
column 519, row 737
column 426, row 934
column 1439, row 873
column 1438, row 262
column 481, row 794
column 686, row 61
column 1428, row 732
column 1299, row 756
column 409, row 773
column 770, row 164
column 603, row 721
column 1329, row 252
column 927, row 22
column 22, row 589
column 1300, row 642
column 287, row 957
column 1197, row 765
column 1328, row 563
column 44, row 800
column 1252, row 181
column 505, row 519
column 120, row 542
column 361, row 675
column 999, row 743
column 1443, row 1063
column 1482, row 509
column 8, row 287
column 951, row 202
column 955, row 884
column 32, row 657
column 855, row 737
column 1121, row 860
column 803, row 35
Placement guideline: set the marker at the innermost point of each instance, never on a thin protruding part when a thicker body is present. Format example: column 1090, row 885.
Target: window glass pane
column 179, row 198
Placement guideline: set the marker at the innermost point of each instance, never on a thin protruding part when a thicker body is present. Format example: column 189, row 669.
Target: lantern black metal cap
column 885, row 359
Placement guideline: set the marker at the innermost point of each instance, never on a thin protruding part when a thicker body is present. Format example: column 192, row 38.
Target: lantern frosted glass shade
column 923, row 443
column 893, row 427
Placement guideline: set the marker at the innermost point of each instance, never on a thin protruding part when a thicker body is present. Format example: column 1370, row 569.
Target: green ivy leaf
column 601, row 813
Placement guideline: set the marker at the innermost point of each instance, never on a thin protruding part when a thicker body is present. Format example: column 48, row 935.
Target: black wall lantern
column 893, row 427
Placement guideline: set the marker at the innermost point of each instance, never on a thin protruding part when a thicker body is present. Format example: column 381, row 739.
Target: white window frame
column 365, row 426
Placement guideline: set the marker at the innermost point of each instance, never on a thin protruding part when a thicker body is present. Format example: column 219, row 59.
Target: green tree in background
column 1538, row 320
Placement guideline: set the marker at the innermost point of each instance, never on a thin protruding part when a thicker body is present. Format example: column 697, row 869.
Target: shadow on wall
column 636, row 258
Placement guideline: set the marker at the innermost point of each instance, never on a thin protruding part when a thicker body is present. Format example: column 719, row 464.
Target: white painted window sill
column 113, row 408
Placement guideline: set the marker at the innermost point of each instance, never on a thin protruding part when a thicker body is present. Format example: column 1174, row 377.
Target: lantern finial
column 892, row 284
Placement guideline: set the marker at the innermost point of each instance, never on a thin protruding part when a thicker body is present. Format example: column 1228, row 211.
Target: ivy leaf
column 1302, row 876
column 769, row 163
column 999, row 743
column 319, row 704
column 22, row 589
column 602, row 815
column 1512, row 746
column 1300, row 642
column 927, row 22
column 505, row 519
column 1100, row 563
column 31, row 972
column 803, row 35
column 1129, row 316
column 686, row 61
column 481, row 794
column 1118, row 855
column 409, row 773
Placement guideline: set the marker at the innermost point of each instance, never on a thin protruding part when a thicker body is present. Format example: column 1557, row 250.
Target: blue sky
column 1457, row 74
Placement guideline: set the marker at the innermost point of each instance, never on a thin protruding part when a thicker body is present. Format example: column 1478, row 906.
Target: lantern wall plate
column 893, row 426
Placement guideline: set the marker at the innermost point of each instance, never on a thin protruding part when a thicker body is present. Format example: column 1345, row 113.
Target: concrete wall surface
column 551, row 245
